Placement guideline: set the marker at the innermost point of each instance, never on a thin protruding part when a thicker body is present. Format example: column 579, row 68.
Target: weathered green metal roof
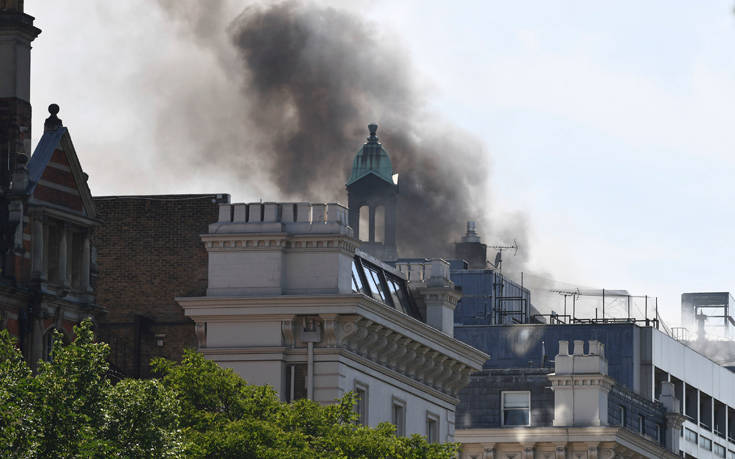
column 372, row 158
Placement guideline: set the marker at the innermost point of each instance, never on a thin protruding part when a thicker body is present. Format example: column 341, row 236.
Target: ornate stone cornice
column 238, row 242
column 595, row 441
column 355, row 307
column 581, row 379
column 390, row 349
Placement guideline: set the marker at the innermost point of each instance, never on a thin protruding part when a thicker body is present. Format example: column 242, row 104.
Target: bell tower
column 372, row 196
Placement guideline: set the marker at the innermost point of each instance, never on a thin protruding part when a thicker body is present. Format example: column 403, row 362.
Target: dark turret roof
column 372, row 158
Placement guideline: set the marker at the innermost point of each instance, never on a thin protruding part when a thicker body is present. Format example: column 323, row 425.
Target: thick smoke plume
column 308, row 80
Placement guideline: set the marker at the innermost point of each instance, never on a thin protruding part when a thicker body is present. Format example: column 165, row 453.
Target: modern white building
column 706, row 392
column 293, row 303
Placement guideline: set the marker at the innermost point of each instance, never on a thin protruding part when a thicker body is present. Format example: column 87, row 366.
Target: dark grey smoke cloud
column 310, row 79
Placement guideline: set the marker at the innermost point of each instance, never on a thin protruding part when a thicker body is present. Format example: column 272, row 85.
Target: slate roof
column 42, row 155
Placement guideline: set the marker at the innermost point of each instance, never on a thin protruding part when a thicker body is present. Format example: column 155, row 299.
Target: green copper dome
column 372, row 158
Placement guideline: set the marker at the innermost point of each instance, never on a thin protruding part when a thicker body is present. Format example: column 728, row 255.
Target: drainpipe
column 310, row 370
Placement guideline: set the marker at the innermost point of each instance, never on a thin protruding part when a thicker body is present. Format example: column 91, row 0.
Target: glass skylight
column 377, row 283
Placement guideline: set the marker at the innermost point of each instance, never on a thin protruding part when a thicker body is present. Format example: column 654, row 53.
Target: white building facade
column 294, row 304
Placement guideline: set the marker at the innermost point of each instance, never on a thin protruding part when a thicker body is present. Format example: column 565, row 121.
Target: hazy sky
column 608, row 124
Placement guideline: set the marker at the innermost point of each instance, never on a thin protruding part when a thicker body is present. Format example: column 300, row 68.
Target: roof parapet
column 283, row 217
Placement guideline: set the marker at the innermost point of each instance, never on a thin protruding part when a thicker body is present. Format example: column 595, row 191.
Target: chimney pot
column 563, row 347
column 578, row 347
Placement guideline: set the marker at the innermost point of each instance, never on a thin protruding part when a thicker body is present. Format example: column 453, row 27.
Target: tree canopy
column 70, row 407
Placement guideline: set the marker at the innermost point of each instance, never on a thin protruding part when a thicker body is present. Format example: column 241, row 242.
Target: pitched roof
column 58, row 140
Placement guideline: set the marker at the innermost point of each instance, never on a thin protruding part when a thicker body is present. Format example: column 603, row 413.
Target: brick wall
column 148, row 253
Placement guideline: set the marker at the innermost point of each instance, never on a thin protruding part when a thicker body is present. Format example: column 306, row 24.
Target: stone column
column 86, row 263
column 37, row 247
column 372, row 223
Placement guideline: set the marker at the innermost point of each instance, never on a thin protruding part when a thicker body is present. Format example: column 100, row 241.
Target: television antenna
column 566, row 293
column 499, row 256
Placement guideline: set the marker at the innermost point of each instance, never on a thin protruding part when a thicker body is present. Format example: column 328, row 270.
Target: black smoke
column 309, row 79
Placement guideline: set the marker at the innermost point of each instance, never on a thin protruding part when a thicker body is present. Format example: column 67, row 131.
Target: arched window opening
column 380, row 224
column 364, row 229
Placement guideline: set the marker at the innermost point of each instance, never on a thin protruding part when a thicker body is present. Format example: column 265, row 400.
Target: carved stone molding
column 287, row 330
column 384, row 346
column 488, row 451
column 329, row 326
column 200, row 329
column 560, row 450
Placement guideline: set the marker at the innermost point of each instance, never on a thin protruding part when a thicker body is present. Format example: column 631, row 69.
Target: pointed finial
column 52, row 122
column 373, row 128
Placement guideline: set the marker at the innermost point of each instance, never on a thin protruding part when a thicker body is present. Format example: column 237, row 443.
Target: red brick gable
column 57, row 184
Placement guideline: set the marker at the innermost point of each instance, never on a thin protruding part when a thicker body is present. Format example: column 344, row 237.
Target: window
column 516, row 408
column 705, row 411
column 690, row 435
column 75, row 260
column 658, row 432
column 357, row 284
column 730, row 454
column 48, row 342
column 398, row 416
column 621, row 415
column 364, row 224
column 48, row 345
column 361, row 392
column 705, row 443
column 381, row 284
column 397, row 293
column 432, row 428
column 641, row 424
column 719, row 450
column 376, row 287
column 295, row 382
column 53, row 242
column 379, row 221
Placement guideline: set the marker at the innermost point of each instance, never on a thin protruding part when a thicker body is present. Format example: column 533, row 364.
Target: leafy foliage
column 69, row 408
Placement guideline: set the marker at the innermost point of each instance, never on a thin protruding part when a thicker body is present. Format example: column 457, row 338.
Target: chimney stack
column 581, row 385
column 439, row 296
column 16, row 34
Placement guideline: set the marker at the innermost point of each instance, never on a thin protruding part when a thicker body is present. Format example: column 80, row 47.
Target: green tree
column 70, row 408
column 223, row 416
